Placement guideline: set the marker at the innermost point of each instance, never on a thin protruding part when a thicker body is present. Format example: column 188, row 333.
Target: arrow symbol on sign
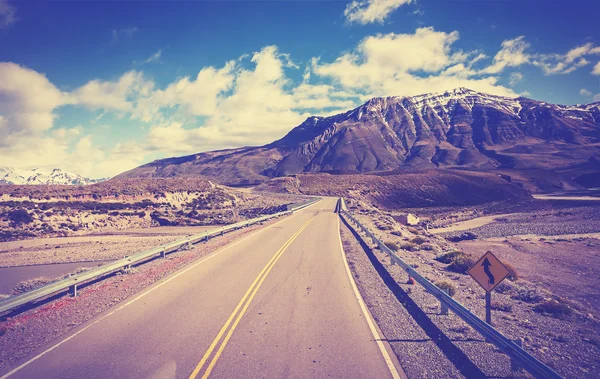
column 486, row 268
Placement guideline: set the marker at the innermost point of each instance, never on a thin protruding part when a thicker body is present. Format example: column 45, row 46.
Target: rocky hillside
column 459, row 128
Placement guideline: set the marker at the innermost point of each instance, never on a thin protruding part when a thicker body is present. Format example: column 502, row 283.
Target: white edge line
column 366, row 312
column 214, row 254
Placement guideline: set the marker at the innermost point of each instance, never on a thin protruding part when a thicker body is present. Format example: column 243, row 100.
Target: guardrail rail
column 71, row 283
column 519, row 356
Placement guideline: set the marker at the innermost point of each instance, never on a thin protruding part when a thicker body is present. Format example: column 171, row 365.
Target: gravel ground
column 89, row 248
column 24, row 332
column 420, row 337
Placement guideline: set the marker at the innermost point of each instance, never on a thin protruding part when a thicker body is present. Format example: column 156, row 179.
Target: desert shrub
column 553, row 308
column 458, row 261
column 396, row 233
column 393, row 246
column 444, row 284
column 419, row 240
column 528, row 295
column 467, row 236
column 448, row 257
column 514, row 274
column 20, row 216
column 384, row 227
column 427, row 246
column 461, row 263
column 505, row 287
column 501, row 306
column 113, row 213
column 413, row 230
column 409, row 246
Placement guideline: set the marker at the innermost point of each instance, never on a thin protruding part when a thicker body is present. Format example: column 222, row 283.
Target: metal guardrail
column 71, row 283
column 522, row 358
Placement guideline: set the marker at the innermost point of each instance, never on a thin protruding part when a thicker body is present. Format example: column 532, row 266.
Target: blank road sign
column 488, row 271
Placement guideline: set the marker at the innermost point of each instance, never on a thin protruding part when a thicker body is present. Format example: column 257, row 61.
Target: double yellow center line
column 239, row 312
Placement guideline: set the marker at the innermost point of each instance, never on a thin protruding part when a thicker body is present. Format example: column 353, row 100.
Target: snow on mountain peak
column 56, row 176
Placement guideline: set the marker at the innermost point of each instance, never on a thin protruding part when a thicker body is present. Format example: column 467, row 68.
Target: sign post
column 488, row 272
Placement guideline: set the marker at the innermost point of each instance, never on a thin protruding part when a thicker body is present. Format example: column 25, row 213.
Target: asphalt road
column 278, row 303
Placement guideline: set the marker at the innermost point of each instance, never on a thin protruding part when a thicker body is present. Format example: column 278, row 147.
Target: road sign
column 488, row 271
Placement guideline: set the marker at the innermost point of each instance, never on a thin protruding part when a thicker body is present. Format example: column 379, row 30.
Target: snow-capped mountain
column 40, row 176
column 455, row 129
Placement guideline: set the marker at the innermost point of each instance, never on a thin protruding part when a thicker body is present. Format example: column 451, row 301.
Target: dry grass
column 444, row 284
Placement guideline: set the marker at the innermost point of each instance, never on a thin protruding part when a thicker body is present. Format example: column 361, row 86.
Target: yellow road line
column 152, row 288
column 245, row 302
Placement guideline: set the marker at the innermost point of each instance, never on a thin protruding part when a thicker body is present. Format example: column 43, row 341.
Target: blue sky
column 101, row 87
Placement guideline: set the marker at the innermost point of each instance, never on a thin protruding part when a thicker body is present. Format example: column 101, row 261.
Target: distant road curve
column 563, row 197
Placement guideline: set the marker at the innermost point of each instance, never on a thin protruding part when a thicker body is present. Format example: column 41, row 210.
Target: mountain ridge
column 460, row 128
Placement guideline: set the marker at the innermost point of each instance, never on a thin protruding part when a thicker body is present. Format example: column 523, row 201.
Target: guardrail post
column 206, row 239
column 163, row 254
column 444, row 310
column 222, row 232
column 73, row 290
column 514, row 365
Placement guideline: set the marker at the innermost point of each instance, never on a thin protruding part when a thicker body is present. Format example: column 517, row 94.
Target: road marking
column 366, row 312
column 245, row 303
column 177, row 274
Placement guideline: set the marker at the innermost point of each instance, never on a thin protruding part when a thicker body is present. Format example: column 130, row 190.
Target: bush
column 409, row 246
column 457, row 260
column 444, row 284
column 501, row 306
column 461, row 264
column 385, row 227
column 419, row 240
column 505, row 287
column 448, row 257
column 393, row 246
column 528, row 295
column 20, row 216
column 553, row 308
column 463, row 237
column 428, row 247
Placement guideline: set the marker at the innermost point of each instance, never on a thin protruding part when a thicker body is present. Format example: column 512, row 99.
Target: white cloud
column 515, row 52
column 369, row 11
column 408, row 64
column 120, row 95
column 125, row 32
column 27, row 101
column 597, row 97
column 596, row 70
column 197, row 97
column 154, row 57
column 8, row 14
column 584, row 92
column 512, row 54
column 515, row 78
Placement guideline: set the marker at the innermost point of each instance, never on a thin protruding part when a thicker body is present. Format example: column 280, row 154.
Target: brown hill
column 406, row 190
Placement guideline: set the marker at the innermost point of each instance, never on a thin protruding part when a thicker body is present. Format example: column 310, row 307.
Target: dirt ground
column 568, row 267
column 90, row 248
